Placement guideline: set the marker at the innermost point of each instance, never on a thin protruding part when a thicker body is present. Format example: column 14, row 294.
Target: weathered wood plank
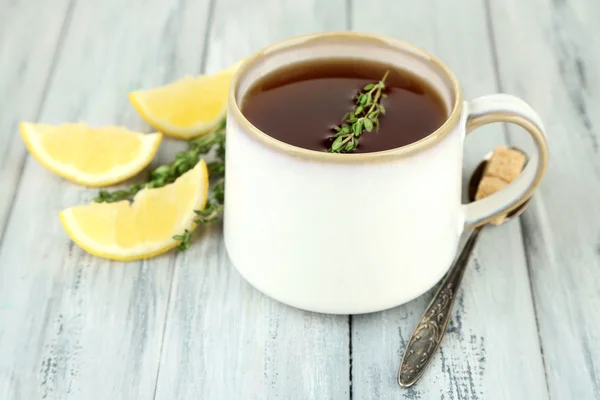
column 491, row 350
column 29, row 37
column 75, row 326
column 224, row 339
column 548, row 55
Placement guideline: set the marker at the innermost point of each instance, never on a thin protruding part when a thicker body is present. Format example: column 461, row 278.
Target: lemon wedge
column 90, row 156
column 141, row 229
column 187, row 108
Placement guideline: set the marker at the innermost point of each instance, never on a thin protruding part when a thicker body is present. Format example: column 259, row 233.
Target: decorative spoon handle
column 430, row 330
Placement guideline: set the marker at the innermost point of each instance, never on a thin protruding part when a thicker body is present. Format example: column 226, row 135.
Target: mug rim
column 395, row 153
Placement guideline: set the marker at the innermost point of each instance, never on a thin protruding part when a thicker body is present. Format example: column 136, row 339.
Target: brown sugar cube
column 505, row 164
column 488, row 186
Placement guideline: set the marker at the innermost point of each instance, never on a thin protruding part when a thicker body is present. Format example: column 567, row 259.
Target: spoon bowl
column 476, row 177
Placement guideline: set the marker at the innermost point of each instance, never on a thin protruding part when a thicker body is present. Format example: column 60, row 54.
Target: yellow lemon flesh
column 90, row 156
column 187, row 108
column 141, row 229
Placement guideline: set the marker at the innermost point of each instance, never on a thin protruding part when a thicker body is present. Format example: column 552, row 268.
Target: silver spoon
column 430, row 330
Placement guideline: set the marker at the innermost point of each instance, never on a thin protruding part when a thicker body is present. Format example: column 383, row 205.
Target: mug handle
column 507, row 108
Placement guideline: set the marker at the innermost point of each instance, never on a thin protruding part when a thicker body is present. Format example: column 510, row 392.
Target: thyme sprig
column 184, row 161
column 364, row 116
column 211, row 213
column 216, row 197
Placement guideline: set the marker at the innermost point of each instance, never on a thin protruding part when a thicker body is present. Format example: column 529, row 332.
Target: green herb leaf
column 358, row 128
column 369, row 86
column 368, row 124
column 162, row 170
column 337, row 143
column 184, row 239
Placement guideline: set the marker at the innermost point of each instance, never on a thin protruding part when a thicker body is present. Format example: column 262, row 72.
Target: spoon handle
column 430, row 330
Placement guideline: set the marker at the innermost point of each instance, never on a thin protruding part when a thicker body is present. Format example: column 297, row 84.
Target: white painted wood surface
column 186, row 326
column 30, row 37
column 547, row 53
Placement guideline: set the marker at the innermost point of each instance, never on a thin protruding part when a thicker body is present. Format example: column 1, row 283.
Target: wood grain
column 547, row 53
column 491, row 349
column 224, row 339
column 29, row 38
column 76, row 326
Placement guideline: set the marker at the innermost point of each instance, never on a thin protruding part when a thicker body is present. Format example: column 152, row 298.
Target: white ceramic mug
column 356, row 233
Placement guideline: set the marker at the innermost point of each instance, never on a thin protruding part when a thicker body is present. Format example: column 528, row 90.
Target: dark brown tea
column 301, row 103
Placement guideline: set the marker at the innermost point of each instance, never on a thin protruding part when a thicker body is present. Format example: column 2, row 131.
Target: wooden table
column 185, row 325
